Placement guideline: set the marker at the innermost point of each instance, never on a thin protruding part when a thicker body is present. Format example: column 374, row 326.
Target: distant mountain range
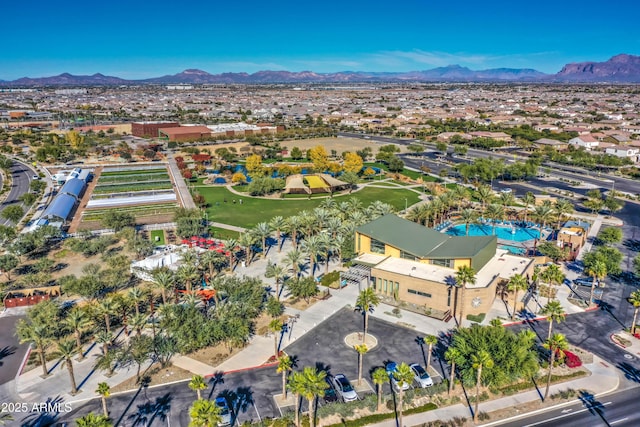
column 619, row 69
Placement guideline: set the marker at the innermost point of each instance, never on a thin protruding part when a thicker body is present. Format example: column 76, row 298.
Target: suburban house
column 586, row 141
column 416, row 266
column 624, row 151
column 555, row 144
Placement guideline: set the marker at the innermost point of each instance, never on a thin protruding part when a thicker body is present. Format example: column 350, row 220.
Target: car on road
column 225, row 413
column 421, row 376
column 585, row 281
column 344, row 388
column 391, row 368
column 330, row 392
column 36, row 177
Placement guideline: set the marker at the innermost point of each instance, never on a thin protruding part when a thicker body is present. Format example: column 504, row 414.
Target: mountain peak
column 622, row 68
column 195, row 72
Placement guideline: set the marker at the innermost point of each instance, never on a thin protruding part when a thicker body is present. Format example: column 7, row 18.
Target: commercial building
column 150, row 129
column 573, row 235
column 415, row 265
column 184, row 133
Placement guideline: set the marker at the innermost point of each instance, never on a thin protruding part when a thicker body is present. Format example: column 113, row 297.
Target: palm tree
column 312, row 246
column 204, row 413
column 296, row 386
column 313, row 386
column 529, row 200
column 516, row 284
column 40, row 336
column 285, row 365
column 452, row 355
column 246, row 240
column 506, row 199
column 105, row 338
column 137, row 322
column 366, row 302
column 104, row 391
column 553, row 275
column 362, row 349
column 634, row 300
column 106, row 308
column 188, row 274
column 230, row 248
column 555, row 313
column 557, row 344
column 464, row 275
column 165, row 280
column 294, row 259
column 429, row 340
column 543, row 214
column 278, row 273
column 468, row 216
column 262, row 231
column 77, row 321
column 278, row 224
column 275, row 326
column 484, row 193
column 562, row 207
column 66, row 351
column 403, row 375
column 495, row 212
column 597, row 270
column 197, row 384
column 93, row 420
column 379, row 377
column 294, row 226
column 327, row 247
column 480, row 360
column 136, row 295
column 5, row 417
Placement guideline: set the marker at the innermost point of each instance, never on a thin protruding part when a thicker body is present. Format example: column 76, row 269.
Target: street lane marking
column 618, row 421
column 562, row 416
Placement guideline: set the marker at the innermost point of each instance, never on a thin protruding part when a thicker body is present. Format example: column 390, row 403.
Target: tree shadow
column 143, row 385
column 630, row 372
column 6, row 352
column 420, row 341
column 595, row 407
column 608, row 308
column 216, row 378
column 535, row 384
column 149, row 411
column 239, row 401
column 45, row 418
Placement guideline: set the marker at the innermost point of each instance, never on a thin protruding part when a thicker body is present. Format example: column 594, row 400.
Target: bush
column 478, row 318
column 572, row 360
column 330, row 278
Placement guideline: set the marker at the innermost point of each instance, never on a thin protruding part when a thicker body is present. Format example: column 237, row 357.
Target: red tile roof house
column 586, row 141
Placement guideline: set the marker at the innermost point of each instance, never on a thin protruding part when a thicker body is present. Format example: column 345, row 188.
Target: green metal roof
column 422, row 241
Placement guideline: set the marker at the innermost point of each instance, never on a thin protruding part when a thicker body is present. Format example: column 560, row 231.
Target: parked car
column 225, row 413
column 421, row 376
column 36, row 177
column 330, row 392
column 344, row 389
column 391, row 368
column 585, row 281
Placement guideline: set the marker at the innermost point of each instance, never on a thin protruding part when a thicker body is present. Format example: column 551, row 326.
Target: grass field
column 254, row 210
column 135, row 171
column 160, row 237
column 223, row 233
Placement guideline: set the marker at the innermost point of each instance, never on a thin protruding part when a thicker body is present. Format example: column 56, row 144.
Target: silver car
column 421, row 376
column 225, row 413
column 344, row 389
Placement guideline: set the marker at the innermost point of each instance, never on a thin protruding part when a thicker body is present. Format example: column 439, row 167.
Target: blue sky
column 135, row 39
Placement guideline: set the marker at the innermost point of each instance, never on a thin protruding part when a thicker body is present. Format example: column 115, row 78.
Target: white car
column 344, row 389
column 421, row 376
column 225, row 413
column 391, row 368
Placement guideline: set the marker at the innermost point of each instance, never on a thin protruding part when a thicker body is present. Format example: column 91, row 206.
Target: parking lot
column 250, row 393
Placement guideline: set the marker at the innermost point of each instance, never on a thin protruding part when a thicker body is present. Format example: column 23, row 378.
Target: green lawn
column 254, row 210
column 160, row 235
column 223, row 233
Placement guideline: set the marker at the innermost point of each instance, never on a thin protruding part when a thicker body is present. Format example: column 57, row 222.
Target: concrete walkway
column 180, row 186
column 227, row 226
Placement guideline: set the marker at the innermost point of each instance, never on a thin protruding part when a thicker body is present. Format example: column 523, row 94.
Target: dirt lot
column 157, row 375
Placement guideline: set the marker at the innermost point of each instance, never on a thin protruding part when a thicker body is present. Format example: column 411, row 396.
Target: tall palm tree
column 361, row 349
column 403, row 375
column 543, row 214
column 495, row 212
column 247, row 240
column 136, row 295
column 452, row 355
column 275, row 326
column 557, row 344
column 529, row 200
column 40, row 336
column 430, row 341
column 468, row 216
column 293, row 227
column 333, row 226
column 104, row 391
column 554, row 276
column 204, row 413
column 93, row 420
column 277, row 273
column 66, row 350
column 562, row 207
column 516, row 284
column 480, row 360
column 506, row 199
column 262, row 231
column 634, row 300
column 138, row 322
column 278, row 224
column 379, row 377
column 165, row 280
column 188, row 274
column 598, row 271
column 105, row 338
column 296, row 386
column 313, row 386
column 464, row 275
column 230, row 247
column 78, row 322
column 285, row 365
column 555, row 313
column 197, row 384
column 484, row 193
column 419, row 213
column 366, row 302
column 312, row 246
column 327, row 246
column 294, row 259
column 107, row 308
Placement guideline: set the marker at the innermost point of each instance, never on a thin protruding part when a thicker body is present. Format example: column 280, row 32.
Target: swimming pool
column 517, row 234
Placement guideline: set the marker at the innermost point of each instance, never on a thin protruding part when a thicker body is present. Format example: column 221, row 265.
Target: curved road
column 21, row 175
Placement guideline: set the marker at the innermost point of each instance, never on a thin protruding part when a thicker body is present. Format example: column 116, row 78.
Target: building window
column 385, row 286
column 373, row 281
column 449, row 297
column 377, row 247
column 422, row 294
column 407, row 255
column 443, row 262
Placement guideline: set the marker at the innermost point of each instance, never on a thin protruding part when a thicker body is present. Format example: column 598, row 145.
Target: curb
column 535, row 319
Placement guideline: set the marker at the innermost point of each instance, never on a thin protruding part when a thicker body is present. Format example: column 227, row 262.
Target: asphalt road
column 21, row 179
column 11, row 351
column 616, row 409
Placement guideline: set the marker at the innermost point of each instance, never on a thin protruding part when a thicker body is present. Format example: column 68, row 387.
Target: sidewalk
column 603, row 379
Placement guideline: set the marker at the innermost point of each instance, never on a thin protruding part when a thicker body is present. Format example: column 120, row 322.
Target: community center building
column 415, row 265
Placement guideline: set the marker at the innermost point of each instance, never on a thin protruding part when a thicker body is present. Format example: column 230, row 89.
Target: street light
column 405, row 205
